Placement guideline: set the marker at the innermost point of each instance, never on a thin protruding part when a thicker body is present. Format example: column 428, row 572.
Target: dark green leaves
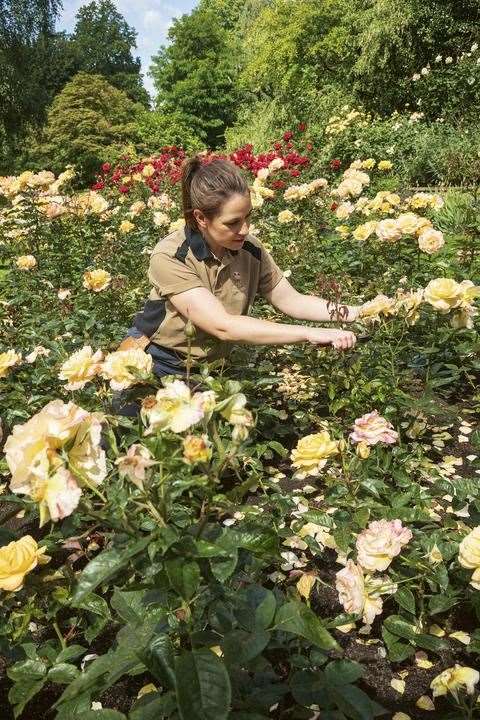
column 203, row 686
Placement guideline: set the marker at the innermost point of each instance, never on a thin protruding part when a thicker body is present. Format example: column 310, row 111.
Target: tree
column 103, row 42
column 87, row 120
column 26, row 38
column 196, row 75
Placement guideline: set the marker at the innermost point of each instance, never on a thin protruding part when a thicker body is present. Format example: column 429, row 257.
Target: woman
column 210, row 272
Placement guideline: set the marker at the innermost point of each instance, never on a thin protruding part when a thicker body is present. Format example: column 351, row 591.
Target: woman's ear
column 200, row 218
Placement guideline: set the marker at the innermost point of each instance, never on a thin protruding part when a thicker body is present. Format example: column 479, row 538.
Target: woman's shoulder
column 169, row 244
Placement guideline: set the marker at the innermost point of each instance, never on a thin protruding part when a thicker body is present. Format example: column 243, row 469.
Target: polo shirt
column 182, row 261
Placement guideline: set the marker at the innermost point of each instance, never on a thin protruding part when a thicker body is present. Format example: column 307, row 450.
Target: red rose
column 294, row 173
column 287, row 135
column 333, row 206
column 309, row 147
column 106, row 167
column 302, row 127
column 98, row 185
column 123, row 189
column 278, row 184
column 336, row 164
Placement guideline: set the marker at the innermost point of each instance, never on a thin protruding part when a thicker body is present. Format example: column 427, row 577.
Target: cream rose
column 388, row 230
column 26, row 262
column 117, row 367
column 160, row 219
column 286, row 216
column 469, row 555
column 312, row 453
column 430, row 241
column 380, row 542
column 178, row 224
column 443, row 294
column 174, row 408
column 126, row 226
column 453, row 679
column 380, row 305
column 96, row 280
column 17, row 559
column 8, row 359
column 372, row 429
column 408, row 223
column 81, row 367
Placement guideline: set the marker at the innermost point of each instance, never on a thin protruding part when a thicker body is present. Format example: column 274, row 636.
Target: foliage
column 86, row 121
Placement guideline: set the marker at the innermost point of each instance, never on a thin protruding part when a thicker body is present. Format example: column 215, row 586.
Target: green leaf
column 400, row 627
column 160, row 660
column 405, row 599
column 341, row 672
column 27, row 670
column 105, row 566
column 62, row 673
column 184, row 576
column 297, row 618
column 70, row 653
column 355, row 703
column 241, row 646
column 154, row 706
column 203, row 686
column 104, row 714
column 309, row 688
column 223, row 567
column 95, row 604
column 22, row 692
column 441, row 603
column 129, row 604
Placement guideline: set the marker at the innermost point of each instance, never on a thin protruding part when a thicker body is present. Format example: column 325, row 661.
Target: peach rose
column 26, row 262
column 388, row 230
column 175, row 409
column 196, row 448
column 372, row 429
column 134, row 464
column 430, row 241
column 118, row 366
column 96, row 280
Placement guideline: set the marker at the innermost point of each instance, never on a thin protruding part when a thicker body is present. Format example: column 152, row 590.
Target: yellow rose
column 312, row 453
column 385, row 165
column 430, row 241
column 363, row 232
column 96, row 280
column 423, row 224
column 469, row 555
column 443, row 294
column 26, row 262
column 126, row 226
column 117, row 367
column 7, row 360
column 174, row 408
column 469, row 292
column 177, row 224
column 137, row 177
column 97, row 203
column 17, row 559
column 196, row 448
column 453, row 679
column 343, row 230
column 148, row 170
column 380, row 305
column 286, row 216
column 81, row 367
column 368, row 164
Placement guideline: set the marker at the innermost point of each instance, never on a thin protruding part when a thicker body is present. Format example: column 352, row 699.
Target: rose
column 17, row 559
column 409, row 302
column 7, row 360
column 312, row 453
column 177, row 225
column 196, row 449
column 81, row 367
column 469, row 292
column 276, row 164
column 174, row 409
column 385, row 165
column 443, row 294
column 368, row 164
column 469, row 555
column 26, row 262
column 148, row 170
column 134, row 464
column 372, row 429
column 349, row 187
column 408, row 223
column 39, row 451
column 454, row 678
column 160, row 219
column 380, row 305
column 359, row 594
column 126, row 226
column 430, row 241
column 286, row 216
column 380, row 542
column 344, row 210
column 363, row 232
column 117, row 367
column 96, row 280
column 388, row 230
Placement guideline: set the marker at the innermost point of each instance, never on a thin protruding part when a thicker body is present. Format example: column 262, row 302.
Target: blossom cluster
column 443, row 294
column 122, row 368
column 347, row 118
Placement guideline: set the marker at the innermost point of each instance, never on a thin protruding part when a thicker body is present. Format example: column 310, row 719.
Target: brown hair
column 207, row 185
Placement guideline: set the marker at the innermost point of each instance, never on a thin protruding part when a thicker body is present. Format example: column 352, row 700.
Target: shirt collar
column 201, row 250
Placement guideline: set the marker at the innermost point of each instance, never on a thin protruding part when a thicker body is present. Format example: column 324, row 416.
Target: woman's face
column 228, row 229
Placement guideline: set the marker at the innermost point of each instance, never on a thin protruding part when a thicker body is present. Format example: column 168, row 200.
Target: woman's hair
column 207, row 185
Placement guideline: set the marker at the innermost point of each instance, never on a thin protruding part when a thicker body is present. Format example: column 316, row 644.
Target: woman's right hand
column 339, row 339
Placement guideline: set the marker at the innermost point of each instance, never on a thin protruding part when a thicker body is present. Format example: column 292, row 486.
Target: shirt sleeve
column 270, row 273
column 171, row 276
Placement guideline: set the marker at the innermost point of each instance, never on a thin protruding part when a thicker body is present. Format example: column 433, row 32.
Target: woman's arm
column 206, row 312
column 285, row 298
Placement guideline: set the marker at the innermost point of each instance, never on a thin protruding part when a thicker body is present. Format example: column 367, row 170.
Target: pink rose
column 372, row 429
